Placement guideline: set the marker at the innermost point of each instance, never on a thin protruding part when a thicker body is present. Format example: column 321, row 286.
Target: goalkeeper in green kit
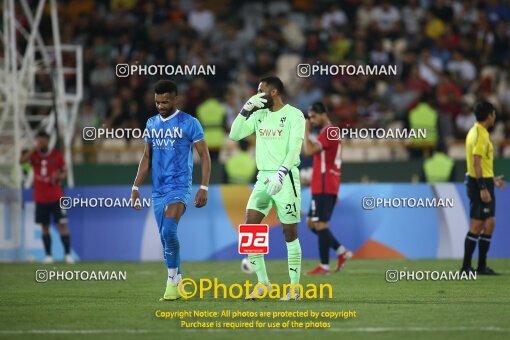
column 279, row 130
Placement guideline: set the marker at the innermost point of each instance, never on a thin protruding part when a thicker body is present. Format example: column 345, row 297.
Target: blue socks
column 170, row 243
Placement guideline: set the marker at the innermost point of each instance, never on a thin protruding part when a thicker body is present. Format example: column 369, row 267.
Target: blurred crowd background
column 449, row 54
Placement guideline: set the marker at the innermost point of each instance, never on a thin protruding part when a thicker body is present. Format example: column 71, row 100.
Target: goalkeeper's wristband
column 134, row 188
column 245, row 113
column 282, row 172
column 481, row 183
column 204, row 187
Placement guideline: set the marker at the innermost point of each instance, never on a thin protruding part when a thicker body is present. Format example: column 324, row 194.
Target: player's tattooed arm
column 205, row 160
column 143, row 169
column 309, row 148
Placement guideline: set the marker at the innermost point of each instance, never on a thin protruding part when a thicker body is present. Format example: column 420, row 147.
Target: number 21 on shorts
column 253, row 239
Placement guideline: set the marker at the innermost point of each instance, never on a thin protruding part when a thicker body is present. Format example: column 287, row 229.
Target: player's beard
column 43, row 149
column 167, row 112
column 269, row 104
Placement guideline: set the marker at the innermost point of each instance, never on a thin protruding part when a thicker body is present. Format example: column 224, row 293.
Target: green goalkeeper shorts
column 287, row 201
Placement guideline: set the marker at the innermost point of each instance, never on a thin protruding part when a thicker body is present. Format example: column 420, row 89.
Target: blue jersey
column 172, row 141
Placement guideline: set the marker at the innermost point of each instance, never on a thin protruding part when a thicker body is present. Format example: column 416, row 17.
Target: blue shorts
column 160, row 203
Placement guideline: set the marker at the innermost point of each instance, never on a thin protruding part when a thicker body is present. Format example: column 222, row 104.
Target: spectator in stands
column 379, row 56
column 102, row 80
column 211, row 114
column 386, row 19
column 412, row 16
column 447, row 91
column 464, row 69
column 245, row 41
column 292, row 34
column 466, row 16
column 464, row 121
column 117, row 116
column 496, row 11
column 434, row 26
column 442, row 11
column 334, row 17
column 439, row 168
column 308, row 95
column 241, row 168
column 364, row 14
column 231, row 106
column 430, row 68
column 400, row 99
column 201, row 19
column 416, row 83
column 500, row 50
column 424, row 117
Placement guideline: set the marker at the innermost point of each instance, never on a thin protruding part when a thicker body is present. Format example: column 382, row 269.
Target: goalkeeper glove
column 275, row 182
column 255, row 102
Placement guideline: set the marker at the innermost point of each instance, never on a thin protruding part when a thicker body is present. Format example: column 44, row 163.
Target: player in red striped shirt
column 49, row 169
column 327, row 162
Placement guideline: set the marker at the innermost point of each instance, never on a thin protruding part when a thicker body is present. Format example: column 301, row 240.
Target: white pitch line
column 417, row 329
column 339, row 330
column 74, row 331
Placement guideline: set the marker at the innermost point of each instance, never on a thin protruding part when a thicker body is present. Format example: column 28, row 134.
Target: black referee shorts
column 44, row 211
column 478, row 209
column 321, row 207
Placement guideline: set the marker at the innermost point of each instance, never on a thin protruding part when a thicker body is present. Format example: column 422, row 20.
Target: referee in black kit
column 480, row 188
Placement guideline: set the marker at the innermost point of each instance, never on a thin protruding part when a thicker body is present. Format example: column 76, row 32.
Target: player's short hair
column 319, row 107
column 165, row 86
column 483, row 110
column 42, row 133
column 275, row 82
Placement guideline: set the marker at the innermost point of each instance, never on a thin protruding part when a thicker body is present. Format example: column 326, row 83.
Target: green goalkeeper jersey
column 279, row 134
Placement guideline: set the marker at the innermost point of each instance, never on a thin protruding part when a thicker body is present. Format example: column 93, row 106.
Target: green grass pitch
column 126, row 309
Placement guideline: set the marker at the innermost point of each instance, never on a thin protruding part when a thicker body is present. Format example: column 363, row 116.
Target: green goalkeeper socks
column 294, row 260
column 258, row 264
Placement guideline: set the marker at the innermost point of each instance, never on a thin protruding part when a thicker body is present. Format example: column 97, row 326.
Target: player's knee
column 321, row 225
column 63, row 229
column 476, row 226
column 290, row 235
column 476, row 229
column 488, row 227
column 310, row 224
column 254, row 217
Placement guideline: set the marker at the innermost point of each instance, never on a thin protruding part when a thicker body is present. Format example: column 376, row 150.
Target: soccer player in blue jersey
column 169, row 155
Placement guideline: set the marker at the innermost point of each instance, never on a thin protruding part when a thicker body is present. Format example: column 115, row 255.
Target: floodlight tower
column 27, row 62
